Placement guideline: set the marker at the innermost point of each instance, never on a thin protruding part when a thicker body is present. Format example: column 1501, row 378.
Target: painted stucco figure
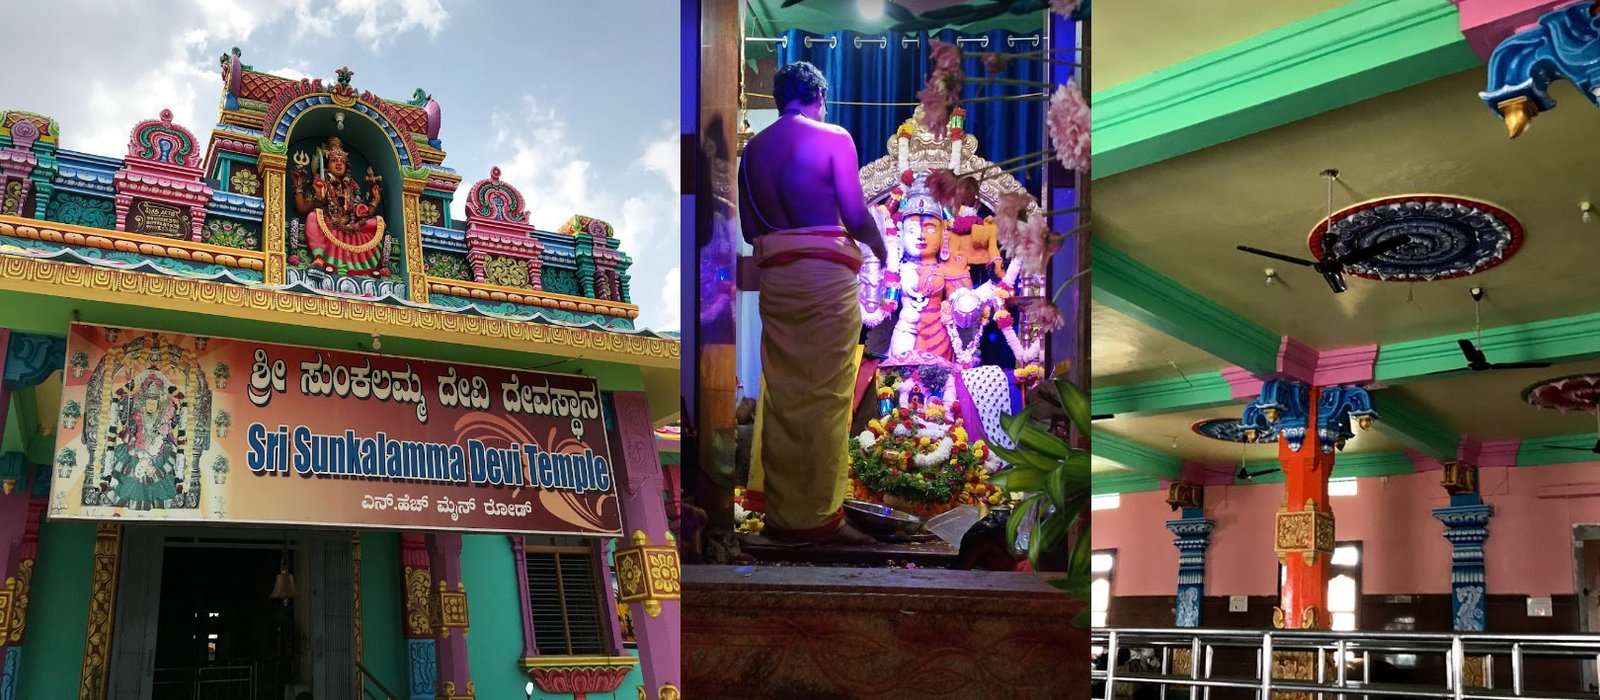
column 343, row 229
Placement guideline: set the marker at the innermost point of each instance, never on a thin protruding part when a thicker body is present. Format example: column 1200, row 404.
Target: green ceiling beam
column 1345, row 466
column 1343, row 56
column 1553, row 340
column 1128, row 286
column 1536, row 452
column 1415, row 426
column 1123, row 483
column 1173, row 395
column 1136, row 457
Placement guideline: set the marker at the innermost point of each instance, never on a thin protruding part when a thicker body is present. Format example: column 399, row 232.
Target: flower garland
column 898, row 457
column 966, row 352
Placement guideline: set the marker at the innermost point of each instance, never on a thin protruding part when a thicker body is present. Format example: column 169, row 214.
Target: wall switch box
column 1539, row 607
column 1238, row 603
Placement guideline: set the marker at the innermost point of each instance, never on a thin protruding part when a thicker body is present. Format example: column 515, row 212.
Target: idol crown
column 919, row 200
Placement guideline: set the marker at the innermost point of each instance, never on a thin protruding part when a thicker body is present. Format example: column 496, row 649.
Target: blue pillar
column 1193, row 529
column 1466, row 525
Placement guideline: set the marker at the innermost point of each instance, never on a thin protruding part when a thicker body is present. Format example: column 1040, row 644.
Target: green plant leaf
column 1024, row 434
column 1026, row 460
column 1055, row 486
column 1083, row 618
column 1077, row 404
column 1017, row 516
column 1047, row 535
column 1028, row 480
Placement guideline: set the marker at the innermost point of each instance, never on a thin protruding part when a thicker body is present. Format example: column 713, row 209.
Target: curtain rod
column 883, row 42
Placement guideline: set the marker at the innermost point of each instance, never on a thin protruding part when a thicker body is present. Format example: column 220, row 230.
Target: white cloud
column 376, row 22
column 155, row 56
column 671, row 298
column 662, row 158
column 558, row 180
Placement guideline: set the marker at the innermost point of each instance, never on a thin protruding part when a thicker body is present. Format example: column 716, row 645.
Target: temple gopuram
column 277, row 424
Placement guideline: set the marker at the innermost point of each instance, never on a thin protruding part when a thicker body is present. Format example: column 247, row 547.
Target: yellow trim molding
column 533, row 662
column 495, row 292
column 89, row 283
column 175, row 248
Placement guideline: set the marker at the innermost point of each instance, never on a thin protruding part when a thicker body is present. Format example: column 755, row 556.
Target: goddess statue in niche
column 344, row 232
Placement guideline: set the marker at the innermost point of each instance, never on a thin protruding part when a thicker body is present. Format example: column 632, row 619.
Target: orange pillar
column 1303, row 535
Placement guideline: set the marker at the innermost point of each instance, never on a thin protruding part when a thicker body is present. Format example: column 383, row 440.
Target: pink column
column 639, row 484
column 454, row 679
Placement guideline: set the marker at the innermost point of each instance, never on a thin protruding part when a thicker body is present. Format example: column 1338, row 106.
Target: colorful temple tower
column 150, row 534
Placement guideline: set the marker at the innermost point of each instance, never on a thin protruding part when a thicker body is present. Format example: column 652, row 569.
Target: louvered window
column 566, row 599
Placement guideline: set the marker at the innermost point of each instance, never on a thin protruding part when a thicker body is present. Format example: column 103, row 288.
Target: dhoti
column 811, row 327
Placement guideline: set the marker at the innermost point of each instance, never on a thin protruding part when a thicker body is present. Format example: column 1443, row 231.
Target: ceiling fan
column 1595, row 449
column 1476, row 360
column 1331, row 267
column 1246, row 475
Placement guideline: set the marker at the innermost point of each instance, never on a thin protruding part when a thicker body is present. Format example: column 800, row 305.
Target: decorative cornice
column 549, row 300
column 1339, row 57
column 1136, row 457
column 1486, row 23
column 1534, row 452
column 1566, row 339
column 1164, row 395
column 293, row 308
column 1127, row 286
column 1104, row 483
column 126, row 242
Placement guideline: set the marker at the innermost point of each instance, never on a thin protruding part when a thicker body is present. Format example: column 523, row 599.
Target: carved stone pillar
column 647, row 563
column 1194, row 535
column 415, row 579
column 448, row 599
column 102, row 612
column 1466, row 526
column 476, row 259
column 416, row 271
column 197, row 223
column 274, row 224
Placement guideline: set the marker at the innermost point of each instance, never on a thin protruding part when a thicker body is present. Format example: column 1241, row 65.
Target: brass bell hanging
column 283, row 588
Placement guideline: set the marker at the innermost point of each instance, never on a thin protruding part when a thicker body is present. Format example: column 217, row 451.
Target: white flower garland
column 867, row 439
column 939, row 455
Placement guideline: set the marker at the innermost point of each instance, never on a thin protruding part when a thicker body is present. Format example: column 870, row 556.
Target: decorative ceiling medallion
column 1231, row 430
column 1450, row 237
column 1578, row 392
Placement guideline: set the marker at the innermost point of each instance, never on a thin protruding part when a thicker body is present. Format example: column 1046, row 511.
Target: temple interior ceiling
column 1161, row 432
column 1126, row 351
column 1183, row 217
column 1128, row 44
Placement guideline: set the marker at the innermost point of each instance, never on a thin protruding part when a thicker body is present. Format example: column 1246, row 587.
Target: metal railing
column 1193, row 663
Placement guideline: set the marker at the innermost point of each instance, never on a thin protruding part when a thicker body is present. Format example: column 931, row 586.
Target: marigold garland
column 884, row 464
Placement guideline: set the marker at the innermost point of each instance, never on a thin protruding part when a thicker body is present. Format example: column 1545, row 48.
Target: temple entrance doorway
column 1586, row 570
column 232, row 614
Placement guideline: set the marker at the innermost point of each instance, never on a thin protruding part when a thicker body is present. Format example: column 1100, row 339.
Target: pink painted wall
column 1529, row 551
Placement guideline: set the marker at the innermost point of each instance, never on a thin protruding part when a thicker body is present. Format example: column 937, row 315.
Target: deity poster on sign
column 187, row 429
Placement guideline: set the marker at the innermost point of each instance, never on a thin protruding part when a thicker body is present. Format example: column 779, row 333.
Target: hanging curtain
column 858, row 69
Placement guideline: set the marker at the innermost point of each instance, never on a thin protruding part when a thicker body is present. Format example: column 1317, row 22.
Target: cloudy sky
column 577, row 102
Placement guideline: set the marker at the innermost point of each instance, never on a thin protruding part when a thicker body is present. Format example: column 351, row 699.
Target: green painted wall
column 52, row 656
column 494, row 644
column 383, row 641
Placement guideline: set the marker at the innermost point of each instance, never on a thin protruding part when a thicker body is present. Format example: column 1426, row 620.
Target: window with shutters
column 571, row 606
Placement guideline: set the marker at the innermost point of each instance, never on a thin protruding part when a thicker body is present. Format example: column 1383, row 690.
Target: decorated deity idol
column 926, row 277
column 344, row 232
